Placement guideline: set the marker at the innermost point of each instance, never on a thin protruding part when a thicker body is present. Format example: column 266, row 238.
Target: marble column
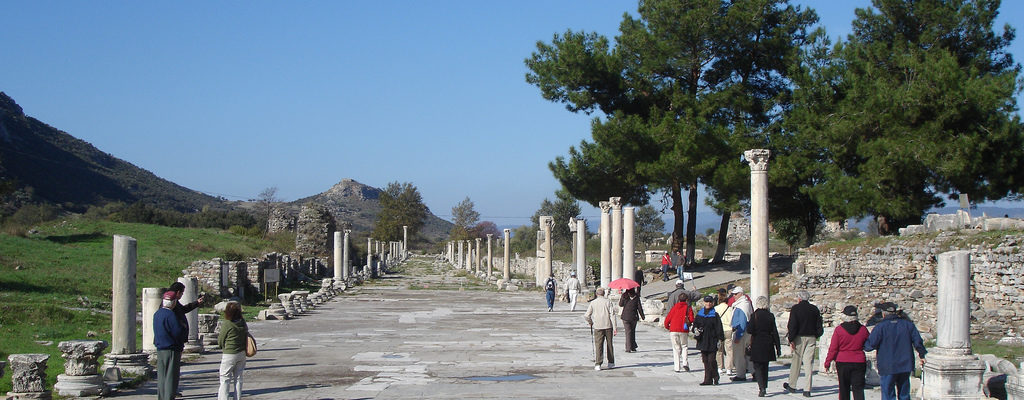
column 490, row 256
column 338, row 250
column 758, row 161
column 952, row 371
column 193, row 345
column 616, row 203
column 81, row 362
column 124, row 354
column 477, row 256
column 344, row 257
column 628, row 250
column 1014, row 385
column 538, row 264
column 458, row 263
column 574, row 241
column 506, row 263
column 581, row 250
column 368, row 269
column 606, row 243
column 28, row 376
column 546, row 224
column 151, row 301
column 469, row 255
column 405, row 241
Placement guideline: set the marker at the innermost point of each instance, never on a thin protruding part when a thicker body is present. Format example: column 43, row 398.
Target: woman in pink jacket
column 847, row 350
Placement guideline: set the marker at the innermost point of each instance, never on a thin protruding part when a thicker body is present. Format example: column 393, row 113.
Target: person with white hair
column 572, row 289
column 804, row 329
column 847, row 351
column 765, row 345
column 600, row 316
column 740, row 339
column 169, row 337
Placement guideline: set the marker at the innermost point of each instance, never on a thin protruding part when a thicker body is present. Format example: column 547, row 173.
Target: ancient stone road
column 385, row 340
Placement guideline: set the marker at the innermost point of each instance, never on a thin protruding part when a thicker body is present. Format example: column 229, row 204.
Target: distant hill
column 64, row 170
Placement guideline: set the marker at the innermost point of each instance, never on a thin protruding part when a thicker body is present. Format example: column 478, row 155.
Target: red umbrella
column 623, row 283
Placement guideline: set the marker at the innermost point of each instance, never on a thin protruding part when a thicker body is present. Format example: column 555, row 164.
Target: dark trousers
column 168, row 371
column 630, row 329
column 551, row 298
column 664, row 272
column 761, row 374
column 602, row 341
column 891, row 384
column 851, row 379
column 710, row 366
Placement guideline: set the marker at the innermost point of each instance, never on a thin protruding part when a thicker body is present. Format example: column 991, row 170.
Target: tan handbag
column 250, row 346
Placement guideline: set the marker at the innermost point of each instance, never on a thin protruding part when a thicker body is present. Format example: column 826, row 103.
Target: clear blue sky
column 229, row 98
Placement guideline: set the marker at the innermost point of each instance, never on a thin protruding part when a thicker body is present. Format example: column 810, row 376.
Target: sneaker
column 597, row 368
column 686, row 368
column 611, row 365
column 675, row 370
column 731, row 372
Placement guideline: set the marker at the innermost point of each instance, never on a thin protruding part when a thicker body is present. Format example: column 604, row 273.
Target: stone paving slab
column 389, row 342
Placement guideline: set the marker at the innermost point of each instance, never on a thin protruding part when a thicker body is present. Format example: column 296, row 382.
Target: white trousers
column 573, row 294
column 231, row 368
column 679, row 348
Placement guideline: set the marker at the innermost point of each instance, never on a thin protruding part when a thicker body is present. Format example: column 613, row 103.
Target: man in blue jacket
column 895, row 338
column 169, row 337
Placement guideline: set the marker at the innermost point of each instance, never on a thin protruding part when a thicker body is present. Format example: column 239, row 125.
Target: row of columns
column 472, row 258
column 618, row 225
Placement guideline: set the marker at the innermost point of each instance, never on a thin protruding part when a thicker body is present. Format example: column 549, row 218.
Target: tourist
column 804, row 328
column 740, row 339
column 572, row 290
column 549, row 288
column 673, row 296
column 723, row 356
column 600, row 317
column 708, row 332
column 632, row 312
column 666, row 260
column 169, row 337
column 895, row 338
column 847, row 350
column 181, row 309
column 678, row 323
column 764, row 343
column 679, row 262
column 232, row 341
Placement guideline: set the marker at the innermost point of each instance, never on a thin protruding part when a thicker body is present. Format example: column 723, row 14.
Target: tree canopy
column 401, row 205
column 465, row 218
column 563, row 208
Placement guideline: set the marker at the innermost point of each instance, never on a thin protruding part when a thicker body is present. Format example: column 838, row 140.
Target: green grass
column 989, row 346
column 55, row 285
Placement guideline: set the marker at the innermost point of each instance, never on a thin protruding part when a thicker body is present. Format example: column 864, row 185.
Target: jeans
column 551, row 299
column 891, row 384
column 851, row 379
column 231, row 368
column 664, row 272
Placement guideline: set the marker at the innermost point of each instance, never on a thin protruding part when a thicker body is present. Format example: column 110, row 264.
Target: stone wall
column 525, row 267
column 902, row 270
column 231, row 278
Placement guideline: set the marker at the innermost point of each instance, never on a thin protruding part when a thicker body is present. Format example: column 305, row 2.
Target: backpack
column 550, row 284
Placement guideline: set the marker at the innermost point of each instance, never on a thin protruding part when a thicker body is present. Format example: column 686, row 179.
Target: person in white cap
column 573, row 289
column 742, row 309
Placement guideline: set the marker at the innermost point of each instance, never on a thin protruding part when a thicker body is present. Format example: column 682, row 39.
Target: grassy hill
column 55, row 285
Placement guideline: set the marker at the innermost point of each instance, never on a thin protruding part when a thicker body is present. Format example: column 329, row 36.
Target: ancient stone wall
column 230, row 278
column 314, row 230
column 525, row 267
column 903, row 271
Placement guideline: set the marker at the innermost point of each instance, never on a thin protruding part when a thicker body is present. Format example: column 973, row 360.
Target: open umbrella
column 623, row 283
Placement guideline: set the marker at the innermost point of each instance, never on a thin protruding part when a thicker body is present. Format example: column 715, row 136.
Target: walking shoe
column 611, row 365
column 704, row 383
column 597, row 368
column 789, row 388
column 675, row 370
column 738, row 379
column 807, row 394
column 731, row 372
column 686, row 368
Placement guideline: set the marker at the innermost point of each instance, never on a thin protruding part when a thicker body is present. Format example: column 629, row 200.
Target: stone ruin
column 314, row 230
column 236, row 278
column 961, row 221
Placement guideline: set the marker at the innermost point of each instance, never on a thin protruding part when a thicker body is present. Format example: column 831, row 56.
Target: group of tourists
column 170, row 332
column 731, row 332
column 675, row 261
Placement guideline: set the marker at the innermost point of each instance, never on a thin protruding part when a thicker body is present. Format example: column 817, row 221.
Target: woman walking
column 764, row 335
column 232, row 340
column 847, row 350
column 709, row 335
column 678, row 322
column 632, row 312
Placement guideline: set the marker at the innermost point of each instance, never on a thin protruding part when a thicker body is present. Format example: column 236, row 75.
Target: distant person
column 679, row 261
column 847, row 351
column 764, row 343
column 632, row 313
column 573, row 289
column 600, row 316
column 723, row 356
column 678, row 323
column 804, row 328
column 549, row 288
column 169, row 337
column 895, row 338
column 232, row 341
column 742, row 310
column 666, row 260
column 707, row 327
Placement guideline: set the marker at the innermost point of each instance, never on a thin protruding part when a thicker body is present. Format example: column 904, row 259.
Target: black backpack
column 550, row 284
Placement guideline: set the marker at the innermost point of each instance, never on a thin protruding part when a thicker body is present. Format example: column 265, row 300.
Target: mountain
column 68, row 171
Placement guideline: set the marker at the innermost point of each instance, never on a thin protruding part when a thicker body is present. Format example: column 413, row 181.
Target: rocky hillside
column 61, row 169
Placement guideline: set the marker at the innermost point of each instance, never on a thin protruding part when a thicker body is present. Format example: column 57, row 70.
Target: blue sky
column 229, row 98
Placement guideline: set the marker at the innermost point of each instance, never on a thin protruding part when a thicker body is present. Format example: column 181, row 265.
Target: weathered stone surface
column 28, row 372
column 208, row 328
column 81, row 356
column 313, row 231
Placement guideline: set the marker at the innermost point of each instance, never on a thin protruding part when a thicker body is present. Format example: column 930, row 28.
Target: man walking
column 169, row 337
column 573, row 288
column 549, row 288
column 679, row 262
column 742, row 310
column 805, row 327
column 895, row 338
column 600, row 317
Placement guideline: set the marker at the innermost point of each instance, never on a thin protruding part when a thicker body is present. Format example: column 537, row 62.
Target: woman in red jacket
column 678, row 322
column 847, row 350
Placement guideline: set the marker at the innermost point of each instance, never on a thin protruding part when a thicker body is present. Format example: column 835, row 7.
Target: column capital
column 546, row 222
column 489, row 236
column 605, row 206
column 616, row 202
column 506, row 231
column 758, row 159
column 477, row 240
column 348, row 231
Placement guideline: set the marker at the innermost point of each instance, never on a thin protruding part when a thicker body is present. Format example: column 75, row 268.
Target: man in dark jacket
column 180, row 310
column 804, row 328
column 895, row 338
column 169, row 337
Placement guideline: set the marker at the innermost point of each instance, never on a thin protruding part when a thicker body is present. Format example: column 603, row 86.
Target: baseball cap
column 850, row 311
column 709, row 299
column 737, row 289
column 887, row 306
column 170, row 295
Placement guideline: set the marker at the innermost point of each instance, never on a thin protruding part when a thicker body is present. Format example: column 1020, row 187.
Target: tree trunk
column 723, row 238
column 677, row 214
column 691, row 224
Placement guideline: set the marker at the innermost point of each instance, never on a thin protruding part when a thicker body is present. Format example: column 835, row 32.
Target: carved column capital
column 616, row 202
column 605, row 206
column 758, row 159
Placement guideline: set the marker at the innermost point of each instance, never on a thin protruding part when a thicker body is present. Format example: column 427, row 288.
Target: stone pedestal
column 304, row 300
column 150, row 304
column 506, row 263
column 208, row 329
column 758, row 161
column 606, row 243
column 276, row 311
column 616, row 253
column 628, row 237
column 286, row 304
column 951, row 371
column 134, row 364
column 193, row 345
column 80, row 377
column 28, row 376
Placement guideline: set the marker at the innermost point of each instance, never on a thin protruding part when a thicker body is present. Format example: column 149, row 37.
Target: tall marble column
column 151, row 301
column 506, row 263
column 606, row 243
column 952, row 370
column 346, row 265
column 405, row 241
column 123, row 351
column 477, row 257
column 458, row 263
column 574, row 242
column 368, row 269
column 193, row 345
column 758, row 161
column 337, row 255
column 616, row 203
column 581, row 251
column 628, row 237
column 546, row 223
column 490, row 256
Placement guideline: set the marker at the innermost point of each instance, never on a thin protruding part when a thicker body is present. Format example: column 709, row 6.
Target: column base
column 193, row 346
column 80, row 386
column 29, row 395
column 951, row 374
column 135, row 364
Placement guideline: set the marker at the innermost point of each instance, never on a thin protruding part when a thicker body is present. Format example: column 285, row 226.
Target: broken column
column 123, row 351
column 458, row 262
column 151, row 302
column 490, row 256
column 616, row 254
column 952, row 370
column 505, row 268
column 337, row 255
column 758, row 161
column 28, row 376
column 193, row 345
column 81, row 361
column 208, row 329
column 405, row 241
column 606, row 243
column 628, row 256
column 367, row 270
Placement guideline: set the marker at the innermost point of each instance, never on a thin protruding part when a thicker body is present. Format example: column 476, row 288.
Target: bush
column 32, row 214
